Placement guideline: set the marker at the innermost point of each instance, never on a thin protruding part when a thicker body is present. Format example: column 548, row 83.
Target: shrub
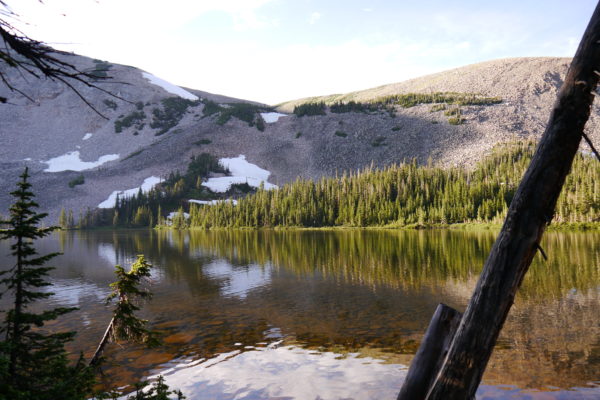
column 170, row 114
column 308, row 109
column 341, row 133
column 80, row 180
column 135, row 153
column 437, row 107
column 203, row 141
column 396, row 128
column 407, row 100
column 210, row 108
column 241, row 187
column 260, row 123
column 298, row 134
column 456, row 120
column 110, row 104
column 243, row 111
column 378, row 141
column 452, row 112
column 352, row 106
column 455, row 116
column 135, row 117
column 100, row 70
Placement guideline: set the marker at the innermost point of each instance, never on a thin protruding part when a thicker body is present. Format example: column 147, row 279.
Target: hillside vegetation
column 408, row 194
column 399, row 195
column 453, row 118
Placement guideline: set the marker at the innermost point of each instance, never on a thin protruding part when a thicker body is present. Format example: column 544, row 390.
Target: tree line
column 408, row 194
column 401, row 195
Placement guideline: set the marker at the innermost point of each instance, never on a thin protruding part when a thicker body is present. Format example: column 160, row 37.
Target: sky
column 277, row 50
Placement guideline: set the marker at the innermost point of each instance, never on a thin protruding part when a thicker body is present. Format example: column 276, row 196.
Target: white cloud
column 314, row 17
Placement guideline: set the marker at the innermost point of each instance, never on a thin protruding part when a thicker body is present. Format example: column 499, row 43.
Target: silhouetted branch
column 40, row 60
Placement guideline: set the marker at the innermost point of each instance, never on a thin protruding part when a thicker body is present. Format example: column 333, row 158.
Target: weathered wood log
column 532, row 208
column 105, row 339
column 431, row 354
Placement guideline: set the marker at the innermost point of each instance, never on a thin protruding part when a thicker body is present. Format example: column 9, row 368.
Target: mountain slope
column 156, row 131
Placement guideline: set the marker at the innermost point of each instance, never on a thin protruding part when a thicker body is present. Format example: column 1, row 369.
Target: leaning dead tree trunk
column 430, row 357
column 105, row 339
column 531, row 210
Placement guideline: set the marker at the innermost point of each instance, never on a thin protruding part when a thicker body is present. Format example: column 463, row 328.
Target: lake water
column 328, row 315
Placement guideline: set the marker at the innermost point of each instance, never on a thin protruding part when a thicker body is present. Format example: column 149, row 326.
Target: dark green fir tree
column 33, row 362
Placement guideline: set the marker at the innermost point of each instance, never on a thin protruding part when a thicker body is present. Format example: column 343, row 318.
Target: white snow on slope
column 213, row 202
column 87, row 136
column 272, row 117
column 172, row 215
column 242, row 172
column 72, row 162
column 148, row 184
column 169, row 87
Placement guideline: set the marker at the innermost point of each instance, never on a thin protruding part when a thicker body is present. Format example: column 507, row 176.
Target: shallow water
column 329, row 315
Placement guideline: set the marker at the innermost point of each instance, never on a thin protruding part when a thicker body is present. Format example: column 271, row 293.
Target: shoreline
column 463, row 226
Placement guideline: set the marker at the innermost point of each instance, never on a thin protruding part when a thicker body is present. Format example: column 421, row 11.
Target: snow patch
column 169, row 87
column 27, row 159
column 87, row 136
column 148, row 184
column 221, row 185
column 172, row 215
column 242, row 172
column 272, row 117
column 72, row 162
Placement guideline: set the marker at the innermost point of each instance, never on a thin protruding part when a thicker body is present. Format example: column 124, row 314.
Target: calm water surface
column 328, row 315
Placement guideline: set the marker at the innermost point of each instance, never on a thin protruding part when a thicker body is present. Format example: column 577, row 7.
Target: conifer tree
column 62, row 218
column 33, row 364
column 125, row 325
column 70, row 220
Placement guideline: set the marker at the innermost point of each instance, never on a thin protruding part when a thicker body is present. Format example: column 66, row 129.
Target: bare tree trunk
column 428, row 361
column 15, row 340
column 103, row 342
column 530, row 212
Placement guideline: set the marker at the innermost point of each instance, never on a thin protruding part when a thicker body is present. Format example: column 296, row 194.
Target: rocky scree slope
column 154, row 131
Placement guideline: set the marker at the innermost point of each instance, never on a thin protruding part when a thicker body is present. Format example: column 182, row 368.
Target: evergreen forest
column 401, row 195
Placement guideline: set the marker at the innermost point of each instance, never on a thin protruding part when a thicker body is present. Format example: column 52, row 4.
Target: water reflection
column 345, row 309
column 238, row 281
column 287, row 372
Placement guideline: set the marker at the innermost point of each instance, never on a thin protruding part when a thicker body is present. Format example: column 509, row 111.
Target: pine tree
column 70, row 220
column 125, row 325
column 33, row 365
column 62, row 218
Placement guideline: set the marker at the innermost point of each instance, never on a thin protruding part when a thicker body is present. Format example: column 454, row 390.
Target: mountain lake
column 261, row 314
